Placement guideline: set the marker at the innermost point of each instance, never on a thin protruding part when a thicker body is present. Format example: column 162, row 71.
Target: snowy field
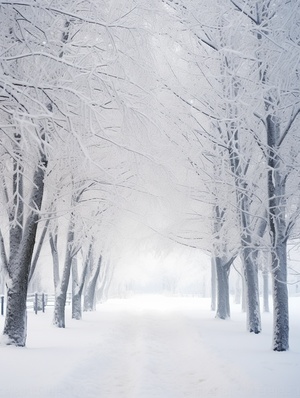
column 151, row 347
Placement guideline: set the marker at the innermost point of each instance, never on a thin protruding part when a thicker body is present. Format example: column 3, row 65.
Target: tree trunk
column 76, row 298
column 277, row 223
column 251, row 290
column 89, row 297
column 61, row 292
column 77, row 306
column 105, row 280
column 15, row 328
column 280, row 299
column 55, row 259
column 213, row 285
column 38, row 250
column 243, row 295
column 223, row 305
column 265, row 275
column 4, row 264
column 248, row 254
column 77, row 288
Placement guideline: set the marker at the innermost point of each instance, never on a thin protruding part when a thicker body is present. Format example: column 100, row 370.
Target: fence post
column 2, row 305
column 43, row 302
column 36, row 303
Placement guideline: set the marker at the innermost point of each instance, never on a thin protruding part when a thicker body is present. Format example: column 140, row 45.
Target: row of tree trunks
column 240, row 288
column 90, row 273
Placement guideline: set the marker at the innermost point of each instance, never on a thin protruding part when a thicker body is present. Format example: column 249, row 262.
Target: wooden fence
column 36, row 301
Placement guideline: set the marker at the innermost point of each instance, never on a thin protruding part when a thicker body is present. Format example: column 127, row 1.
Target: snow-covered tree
column 53, row 92
column 275, row 28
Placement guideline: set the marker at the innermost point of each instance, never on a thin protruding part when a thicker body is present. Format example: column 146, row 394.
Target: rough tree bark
column 38, row 249
column 223, row 304
column 222, row 265
column 62, row 289
column 55, row 260
column 21, row 250
column 265, row 274
column 251, row 290
column 277, row 226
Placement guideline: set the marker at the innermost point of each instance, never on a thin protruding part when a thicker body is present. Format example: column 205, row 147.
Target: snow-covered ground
column 151, row 347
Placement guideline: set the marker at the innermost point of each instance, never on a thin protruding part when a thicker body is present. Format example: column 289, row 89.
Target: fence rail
column 36, row 301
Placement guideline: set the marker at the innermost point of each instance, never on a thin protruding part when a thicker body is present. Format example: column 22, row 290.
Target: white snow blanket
column 151, row 347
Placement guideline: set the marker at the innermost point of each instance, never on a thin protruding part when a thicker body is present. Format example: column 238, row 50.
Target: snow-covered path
column 153, row 354
column 148, row 348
